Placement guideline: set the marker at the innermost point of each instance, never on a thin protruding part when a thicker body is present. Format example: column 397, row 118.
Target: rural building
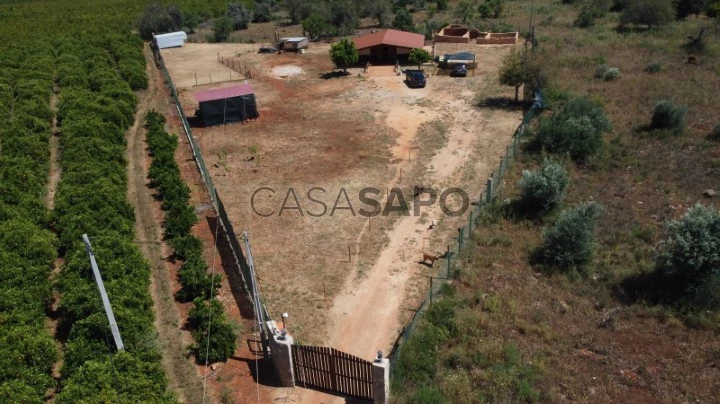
column 387, row 45
column 170, row 40
column 293, row 43
column 458, row 34
column 226, row 105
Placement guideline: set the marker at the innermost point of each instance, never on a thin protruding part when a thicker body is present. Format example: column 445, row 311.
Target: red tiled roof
column 225, row 92
column 390, row 37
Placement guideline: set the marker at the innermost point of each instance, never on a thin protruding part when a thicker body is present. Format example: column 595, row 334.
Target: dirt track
column 347, row 133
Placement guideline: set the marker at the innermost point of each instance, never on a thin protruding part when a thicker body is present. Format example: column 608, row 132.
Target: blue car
column 415, row 78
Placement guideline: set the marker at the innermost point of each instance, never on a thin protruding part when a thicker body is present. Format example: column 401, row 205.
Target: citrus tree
column 419, row 56
column 344, row 54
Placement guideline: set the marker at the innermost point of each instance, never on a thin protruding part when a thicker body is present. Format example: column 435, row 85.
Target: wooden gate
column 330, row 369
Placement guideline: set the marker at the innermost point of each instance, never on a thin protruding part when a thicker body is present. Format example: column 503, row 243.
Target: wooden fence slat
column 330, row 369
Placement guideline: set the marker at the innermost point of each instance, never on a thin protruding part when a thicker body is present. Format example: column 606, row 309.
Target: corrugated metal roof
column 223, row 93
column 390, row 37
column 294, row 39
column 172, row 35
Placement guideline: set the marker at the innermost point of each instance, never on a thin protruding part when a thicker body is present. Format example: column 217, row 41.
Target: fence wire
column 240, row 260
column 455, row 257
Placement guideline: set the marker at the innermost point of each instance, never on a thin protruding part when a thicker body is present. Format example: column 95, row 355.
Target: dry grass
column 652, row 354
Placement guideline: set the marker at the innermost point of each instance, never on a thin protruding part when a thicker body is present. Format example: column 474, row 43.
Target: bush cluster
column 543, row 190
column 574, row 129
column 568, row 245
column 689, row 256
column 668, row 116
column 591, row 10
column 27, row 247
column 607, row 73
column 197, row 284
column 96, row 106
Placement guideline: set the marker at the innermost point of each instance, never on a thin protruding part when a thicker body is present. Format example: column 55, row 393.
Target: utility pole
column 103, row 295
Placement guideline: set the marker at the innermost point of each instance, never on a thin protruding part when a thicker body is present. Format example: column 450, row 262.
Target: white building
column 170, row 40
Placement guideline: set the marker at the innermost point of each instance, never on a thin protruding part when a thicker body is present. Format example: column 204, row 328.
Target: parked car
column 459, row 71
column 415, row 78
column 269, row 49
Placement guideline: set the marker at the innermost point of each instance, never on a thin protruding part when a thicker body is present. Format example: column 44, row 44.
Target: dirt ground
column 347, row 281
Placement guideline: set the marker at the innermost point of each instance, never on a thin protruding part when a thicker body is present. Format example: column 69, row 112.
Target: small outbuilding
column 293, row 43
column 170, row 40
column 387, row 45
column 226, row 105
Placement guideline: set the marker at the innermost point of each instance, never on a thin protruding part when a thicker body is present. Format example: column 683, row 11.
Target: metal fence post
column 489, row 191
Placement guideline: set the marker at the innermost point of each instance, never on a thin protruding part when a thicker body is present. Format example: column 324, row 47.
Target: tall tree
column 465, row 10
column 222, row 28
column 344, row 54
column 403, row 21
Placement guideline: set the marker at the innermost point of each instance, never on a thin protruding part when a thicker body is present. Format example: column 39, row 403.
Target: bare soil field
column 347, row 281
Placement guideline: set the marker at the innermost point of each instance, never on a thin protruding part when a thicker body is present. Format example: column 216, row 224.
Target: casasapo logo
column 368, row 202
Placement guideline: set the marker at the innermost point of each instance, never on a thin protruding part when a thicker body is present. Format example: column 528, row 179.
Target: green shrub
column 667, row 115
column 690, row 255
column 543, row 190
column 592, row 10
column 222, row 28
column 491, row 8
column 652, row 13
column 575, row 129
column 655, row 67
column 215, row 337
column 607, row 73
column 569, row 243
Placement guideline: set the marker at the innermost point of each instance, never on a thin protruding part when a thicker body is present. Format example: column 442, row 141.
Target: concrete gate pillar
column 381, row 380
column 281, row 354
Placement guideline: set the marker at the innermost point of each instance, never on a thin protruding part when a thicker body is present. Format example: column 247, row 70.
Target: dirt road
column 148, row 231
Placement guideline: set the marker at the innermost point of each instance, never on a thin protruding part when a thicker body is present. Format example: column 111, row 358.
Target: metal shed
column 226, row 105
column 170, row 40
column 293, row 43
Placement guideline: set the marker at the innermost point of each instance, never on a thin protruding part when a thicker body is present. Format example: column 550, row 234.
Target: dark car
column 415, row 78
column 459, row 71
column 268, row 49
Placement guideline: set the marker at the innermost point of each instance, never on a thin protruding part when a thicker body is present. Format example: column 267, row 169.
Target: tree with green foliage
column 592, row 10
column 222, row 28
column 262, row 11
column 491, row 8
column 575, row 129
column 652, row 13
column 522, row 67
column 465, row 11
column 569, row 244
column 419, row 56
column 512, row 72
column 343, row 16
column 403, row 21
column 689, row 254
column 541, row 191
column 240, row 15
column 441, row 5
column 155, row 20
column 215, row 337
column 316, row 25
column 344, row 54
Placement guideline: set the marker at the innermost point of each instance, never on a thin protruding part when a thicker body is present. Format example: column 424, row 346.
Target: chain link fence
column 224, row 220
column 454, row 257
